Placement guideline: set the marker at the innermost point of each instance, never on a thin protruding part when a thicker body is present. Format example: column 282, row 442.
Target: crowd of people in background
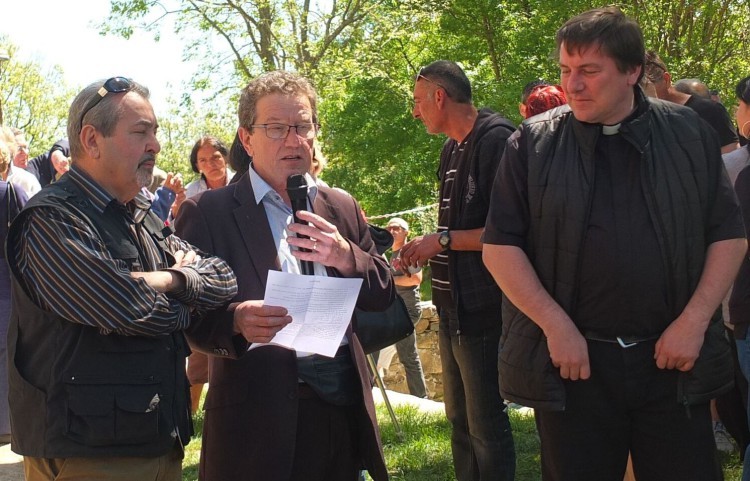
column 578, row 267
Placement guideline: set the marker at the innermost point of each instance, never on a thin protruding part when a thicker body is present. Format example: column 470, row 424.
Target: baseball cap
column 398, row 221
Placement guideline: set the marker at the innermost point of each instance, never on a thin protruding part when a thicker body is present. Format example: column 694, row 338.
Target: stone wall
column 427, row 345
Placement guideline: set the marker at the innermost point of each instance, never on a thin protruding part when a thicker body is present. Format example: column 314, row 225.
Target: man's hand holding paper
column 259, row 323
column 320, row 309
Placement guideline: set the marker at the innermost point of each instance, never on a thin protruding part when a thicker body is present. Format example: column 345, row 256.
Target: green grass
column 732, row 466
column 193, row 451
column 424, row 452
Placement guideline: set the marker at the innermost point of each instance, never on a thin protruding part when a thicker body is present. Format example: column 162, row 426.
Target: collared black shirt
column 621, row 283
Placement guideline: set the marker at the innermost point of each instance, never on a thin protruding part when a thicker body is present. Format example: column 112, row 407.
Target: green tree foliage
column 707, row 39
column 364, row 55
column 378, row 152
column 34, row 100
column 182, row 127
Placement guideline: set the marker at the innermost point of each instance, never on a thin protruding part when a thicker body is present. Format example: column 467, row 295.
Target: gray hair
column 276, row 82
column 693, row 86
column 449, row 76
column 104, row 116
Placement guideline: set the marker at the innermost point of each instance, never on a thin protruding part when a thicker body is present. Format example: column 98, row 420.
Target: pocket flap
column 138, row 399
column 91, row 400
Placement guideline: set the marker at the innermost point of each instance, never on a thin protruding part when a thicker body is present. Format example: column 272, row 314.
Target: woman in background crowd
column 209, row 159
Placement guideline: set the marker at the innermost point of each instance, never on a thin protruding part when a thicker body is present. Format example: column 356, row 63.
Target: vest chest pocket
column 124, row 251
column 103, row 413
column 160, row 232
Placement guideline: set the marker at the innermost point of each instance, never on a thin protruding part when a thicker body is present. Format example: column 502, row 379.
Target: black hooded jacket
column 473, row 288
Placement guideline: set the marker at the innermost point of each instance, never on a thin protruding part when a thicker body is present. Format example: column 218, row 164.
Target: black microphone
column 296, row 189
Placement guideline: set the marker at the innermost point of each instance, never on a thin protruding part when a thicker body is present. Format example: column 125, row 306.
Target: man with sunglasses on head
column 102, row 292
column 467, row 298
column 272, row 413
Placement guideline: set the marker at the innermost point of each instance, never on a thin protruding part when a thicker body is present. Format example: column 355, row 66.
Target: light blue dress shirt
column 279, row 216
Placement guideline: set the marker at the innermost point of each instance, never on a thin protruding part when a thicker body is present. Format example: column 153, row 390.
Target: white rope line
column 396, row 214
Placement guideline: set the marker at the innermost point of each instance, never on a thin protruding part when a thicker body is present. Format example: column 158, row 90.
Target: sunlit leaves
column 363, row 55
column 34, row 99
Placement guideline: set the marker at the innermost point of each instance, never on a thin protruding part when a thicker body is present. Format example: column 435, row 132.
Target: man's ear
column 634, row 74
column 90, row 139
column 668, row 79
column 246, row 139
column 440, row 96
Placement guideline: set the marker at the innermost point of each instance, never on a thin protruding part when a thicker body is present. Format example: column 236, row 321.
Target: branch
column 224, row 34
column 353, row 13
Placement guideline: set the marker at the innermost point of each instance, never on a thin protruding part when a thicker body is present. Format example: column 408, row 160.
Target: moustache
column 147, row 158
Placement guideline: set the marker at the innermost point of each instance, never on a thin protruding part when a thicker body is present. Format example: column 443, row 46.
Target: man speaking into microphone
column 296, row 188
column 272, row 413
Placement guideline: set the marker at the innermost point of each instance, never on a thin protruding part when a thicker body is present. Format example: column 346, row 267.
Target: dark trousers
column 326, row 444
column 743, row 351
column 481, row 438
column 627, row 405
column 732, row 405
column 409, row 357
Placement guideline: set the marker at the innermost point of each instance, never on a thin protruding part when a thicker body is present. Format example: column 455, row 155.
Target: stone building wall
column 427, row 346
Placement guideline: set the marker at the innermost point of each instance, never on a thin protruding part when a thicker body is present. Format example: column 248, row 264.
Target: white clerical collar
column 611, row 129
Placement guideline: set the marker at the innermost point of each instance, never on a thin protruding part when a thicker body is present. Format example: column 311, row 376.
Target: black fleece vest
column 677, row 185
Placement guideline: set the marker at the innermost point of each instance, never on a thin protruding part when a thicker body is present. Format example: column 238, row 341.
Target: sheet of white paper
column 321, row 308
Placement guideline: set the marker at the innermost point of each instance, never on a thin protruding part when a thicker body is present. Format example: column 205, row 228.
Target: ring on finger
column 315, row 246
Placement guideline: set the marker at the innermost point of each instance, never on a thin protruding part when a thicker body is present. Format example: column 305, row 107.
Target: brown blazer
column 251, row 407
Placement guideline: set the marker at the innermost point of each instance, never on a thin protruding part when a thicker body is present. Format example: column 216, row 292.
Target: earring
column 742, row 129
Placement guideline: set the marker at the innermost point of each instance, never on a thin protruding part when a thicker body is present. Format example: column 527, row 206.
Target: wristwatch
column 445, row 240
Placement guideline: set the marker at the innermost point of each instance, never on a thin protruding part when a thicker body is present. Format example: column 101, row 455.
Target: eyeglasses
column 660, row 65
column 655, row 71
column 114, row 85
column 280, row 131
column 420, row 75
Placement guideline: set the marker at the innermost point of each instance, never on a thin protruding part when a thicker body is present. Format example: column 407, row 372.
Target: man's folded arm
column 68, row 270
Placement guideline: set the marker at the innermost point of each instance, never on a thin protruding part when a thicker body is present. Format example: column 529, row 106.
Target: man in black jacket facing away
column 614, row 234
column 464, row 292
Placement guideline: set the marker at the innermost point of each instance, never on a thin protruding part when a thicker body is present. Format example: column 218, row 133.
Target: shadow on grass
column 424, row 451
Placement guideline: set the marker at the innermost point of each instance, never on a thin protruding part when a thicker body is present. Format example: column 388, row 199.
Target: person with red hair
column 544, row 98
